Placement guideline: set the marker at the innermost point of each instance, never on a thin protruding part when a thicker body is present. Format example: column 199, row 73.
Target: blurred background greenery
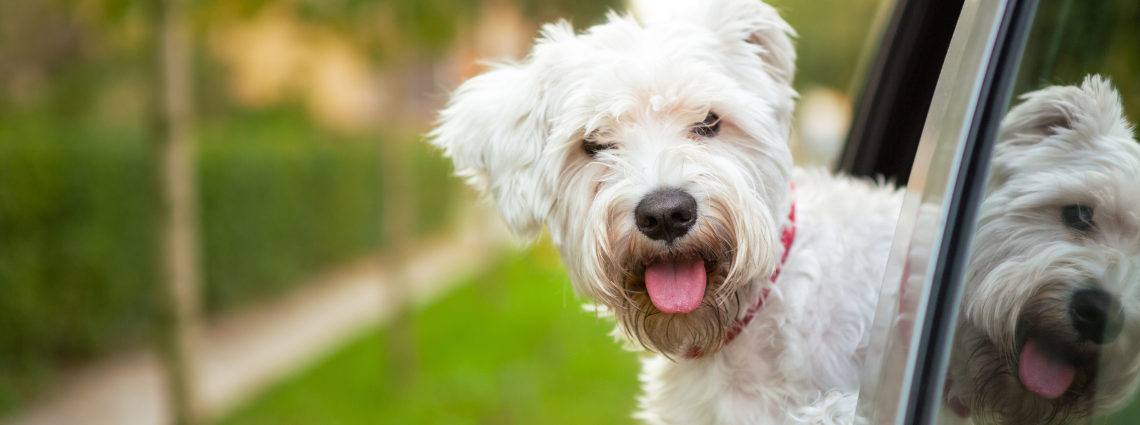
column 1072, row 39
column 296, row 104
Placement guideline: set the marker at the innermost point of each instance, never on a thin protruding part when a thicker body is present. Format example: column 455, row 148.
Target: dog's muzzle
column 1048, row 365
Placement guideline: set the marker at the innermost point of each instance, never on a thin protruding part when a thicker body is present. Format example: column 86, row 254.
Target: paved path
column 242, row 354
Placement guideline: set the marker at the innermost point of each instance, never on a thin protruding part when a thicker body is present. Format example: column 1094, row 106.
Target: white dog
column 1049, row 327
column 657, row 157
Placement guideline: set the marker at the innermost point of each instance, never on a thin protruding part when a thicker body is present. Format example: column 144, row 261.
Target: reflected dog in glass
column 1049, row 326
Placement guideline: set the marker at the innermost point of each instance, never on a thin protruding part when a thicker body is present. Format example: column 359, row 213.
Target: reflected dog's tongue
column 676, row 286
column 1045, row 374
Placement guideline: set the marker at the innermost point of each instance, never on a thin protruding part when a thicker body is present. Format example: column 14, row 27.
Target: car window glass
column 891, row 353
column 1048, row 326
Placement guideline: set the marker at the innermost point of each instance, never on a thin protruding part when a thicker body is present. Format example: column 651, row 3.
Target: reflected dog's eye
column 1078, row 217
column 592, row 146
column 709, row 127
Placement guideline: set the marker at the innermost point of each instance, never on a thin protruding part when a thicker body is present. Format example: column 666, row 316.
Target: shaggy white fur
column 691, row 110
column 1049, row 327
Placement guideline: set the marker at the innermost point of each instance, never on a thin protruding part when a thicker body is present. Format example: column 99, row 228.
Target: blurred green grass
column 509, row 346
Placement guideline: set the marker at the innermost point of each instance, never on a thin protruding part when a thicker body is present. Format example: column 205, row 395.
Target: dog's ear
column 1056, row 122
column 758, row 24
column 495, row 128
column 1090, row 110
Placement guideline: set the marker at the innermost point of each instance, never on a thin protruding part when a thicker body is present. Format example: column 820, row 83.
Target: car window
column 891, row 355
column 1042, row 314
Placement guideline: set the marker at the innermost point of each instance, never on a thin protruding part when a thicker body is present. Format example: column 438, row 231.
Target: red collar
column 786, row 238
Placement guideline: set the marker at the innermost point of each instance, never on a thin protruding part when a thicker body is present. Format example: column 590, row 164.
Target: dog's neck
column 787, row 236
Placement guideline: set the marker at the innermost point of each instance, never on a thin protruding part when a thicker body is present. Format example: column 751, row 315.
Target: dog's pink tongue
column 1044, row 374
column 676, row 286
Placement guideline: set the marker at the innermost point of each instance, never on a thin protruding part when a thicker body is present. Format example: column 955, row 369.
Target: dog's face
column 656, row 156
column 1050, row 322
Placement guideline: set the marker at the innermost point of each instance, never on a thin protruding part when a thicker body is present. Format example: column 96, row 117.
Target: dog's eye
column 709, row 127
column 592, row 147
column 1078, row 217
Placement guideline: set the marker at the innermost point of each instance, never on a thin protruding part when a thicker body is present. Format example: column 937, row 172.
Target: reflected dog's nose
column 1097, row 315
column 666, row 214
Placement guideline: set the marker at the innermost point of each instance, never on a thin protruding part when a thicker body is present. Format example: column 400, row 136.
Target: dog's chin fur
column 1061, row 146
column 703, row 328
column 997, row 394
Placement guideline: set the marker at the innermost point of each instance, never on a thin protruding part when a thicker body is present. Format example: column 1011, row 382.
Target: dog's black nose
column 1097, row 315
column 666, row 214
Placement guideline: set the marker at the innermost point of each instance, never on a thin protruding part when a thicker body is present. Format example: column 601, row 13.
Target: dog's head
column 1051, row 314
column 655, row 154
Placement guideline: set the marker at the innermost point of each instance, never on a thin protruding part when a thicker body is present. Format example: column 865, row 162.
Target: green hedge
column 280, row 200
column 75, row 247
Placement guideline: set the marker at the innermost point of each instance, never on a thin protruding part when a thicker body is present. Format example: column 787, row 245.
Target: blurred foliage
column 76, row 270
column 279, row 201
column 393, row 29
column 436, row 189
column 833, row 35
column 1071, row 39
column 583, row 13
column 531, row 357
column 281, row 197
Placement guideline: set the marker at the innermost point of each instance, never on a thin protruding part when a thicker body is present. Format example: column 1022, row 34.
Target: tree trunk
column 176, row 213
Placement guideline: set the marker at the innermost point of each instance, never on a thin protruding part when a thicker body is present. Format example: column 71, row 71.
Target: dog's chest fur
column 810, row 336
